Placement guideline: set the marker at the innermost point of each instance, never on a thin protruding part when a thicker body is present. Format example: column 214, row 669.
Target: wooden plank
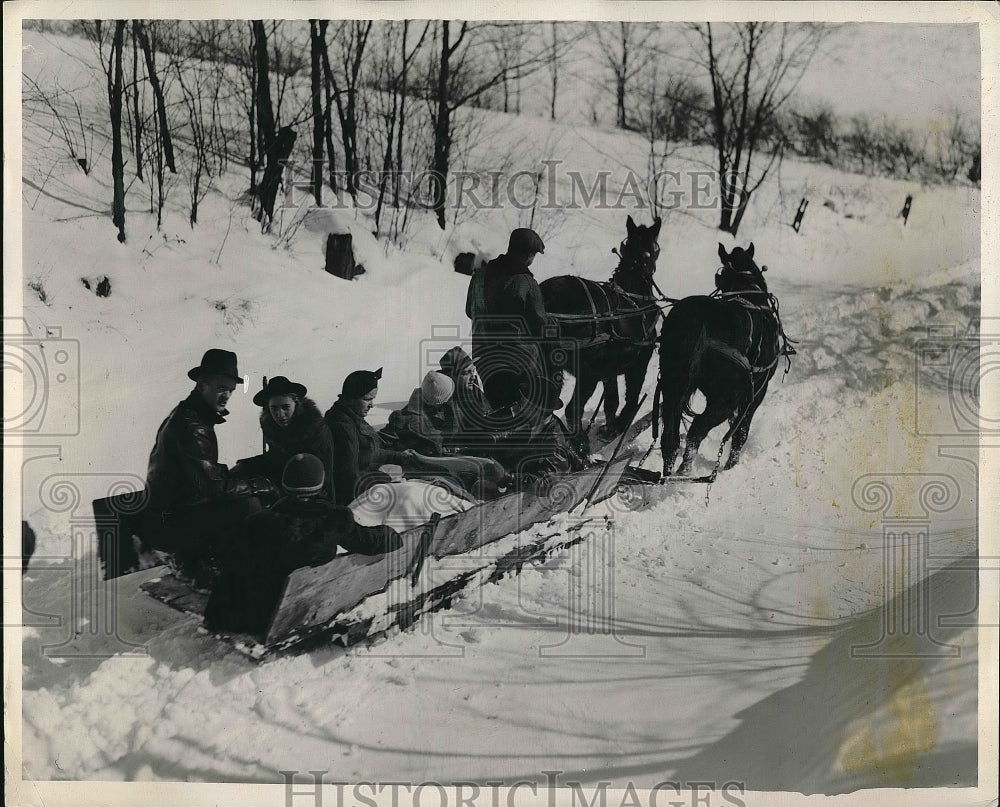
column 176, row 593
column 315, row 594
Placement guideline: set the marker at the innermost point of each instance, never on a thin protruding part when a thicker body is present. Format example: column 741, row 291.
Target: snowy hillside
column 736, row 609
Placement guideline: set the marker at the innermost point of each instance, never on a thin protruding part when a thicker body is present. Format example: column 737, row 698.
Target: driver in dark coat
column 195, row 505
column 509, row 320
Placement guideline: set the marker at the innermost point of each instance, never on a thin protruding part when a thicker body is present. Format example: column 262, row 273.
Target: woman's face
column 364, row 404
column 281, row 407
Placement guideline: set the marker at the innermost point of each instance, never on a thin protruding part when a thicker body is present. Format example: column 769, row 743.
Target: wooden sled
column 338, row 600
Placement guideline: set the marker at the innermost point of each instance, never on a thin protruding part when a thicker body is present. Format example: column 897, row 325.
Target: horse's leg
column 585, row 386
column 670, row 440
column 635, row 376
column 673, row 394
column 716, row 412
column 742, row 431
column 610, row 406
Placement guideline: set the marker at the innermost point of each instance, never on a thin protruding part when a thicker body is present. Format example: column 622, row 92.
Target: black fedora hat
column 216, row 362
column 279, row 385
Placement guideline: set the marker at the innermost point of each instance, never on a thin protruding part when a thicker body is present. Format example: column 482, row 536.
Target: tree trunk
column 404, row 73
column 315, row 62
column 117, row 163
column 442, row 130
column 161, row 109
column 328, row 89
column 136, row 111
column 265, row 111
column 554, row 67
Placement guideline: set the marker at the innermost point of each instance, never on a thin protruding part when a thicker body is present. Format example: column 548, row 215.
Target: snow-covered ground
column 741, row 614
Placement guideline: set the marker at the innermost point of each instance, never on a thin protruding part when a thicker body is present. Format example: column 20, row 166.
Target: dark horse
column 726, row 345
column 609, row 329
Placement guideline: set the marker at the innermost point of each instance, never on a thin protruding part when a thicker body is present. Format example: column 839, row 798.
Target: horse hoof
column 608, row 432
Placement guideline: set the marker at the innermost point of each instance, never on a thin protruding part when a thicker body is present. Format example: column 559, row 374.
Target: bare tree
column 460, row 77
column 317, row 43
column 953, row 146
column 351, row 37
column 753, row 68
column 149, row 54
column 626, row 49
column 113, row 70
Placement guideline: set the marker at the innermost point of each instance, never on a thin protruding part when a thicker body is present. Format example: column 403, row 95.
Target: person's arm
column 325, row 452
column 213, row 480
column 346, row 471
column 532, row 305
column 363, row 540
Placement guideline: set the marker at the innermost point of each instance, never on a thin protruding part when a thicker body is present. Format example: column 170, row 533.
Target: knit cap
column 303, row 475
column 436, row 388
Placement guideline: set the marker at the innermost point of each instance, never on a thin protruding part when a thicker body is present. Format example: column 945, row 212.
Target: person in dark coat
column 534, row 443
column 509, row 322
column 302, row 529
column 357, row 448
column 195, row 505
column 291, row 424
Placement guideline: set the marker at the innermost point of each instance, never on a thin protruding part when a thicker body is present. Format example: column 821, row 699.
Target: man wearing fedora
column 195, row 504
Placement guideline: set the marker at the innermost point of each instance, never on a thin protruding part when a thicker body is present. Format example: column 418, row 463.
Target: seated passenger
column 357, row 447
column 421, row 427
column 291, row 424
column 403, row 503
column 302, row 529
column 535, row 443
column 422, row 424
column 195, row 505
column 469, row 404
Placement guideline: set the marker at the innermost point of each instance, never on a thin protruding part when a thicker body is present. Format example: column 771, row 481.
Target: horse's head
column 739, row 272
column 639, row 250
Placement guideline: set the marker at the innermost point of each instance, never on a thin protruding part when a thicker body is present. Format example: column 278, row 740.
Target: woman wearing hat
column 292, row 424
column 358, row 448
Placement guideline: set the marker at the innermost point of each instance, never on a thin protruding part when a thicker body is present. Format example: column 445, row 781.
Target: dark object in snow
column 905, row 212
column 103, row 287
column 975, row 170
column 340, row 256
column 607, row 329
column 27, row 545
column 800, row 214
column 117, row 520
column 726, row 346
column 465, row 263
